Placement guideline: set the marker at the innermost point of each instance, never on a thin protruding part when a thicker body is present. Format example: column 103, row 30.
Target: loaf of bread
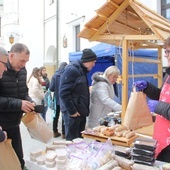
column 108, row 132
column 120, row 128
column 123, row 162
column 109, row 165
column 130, row 134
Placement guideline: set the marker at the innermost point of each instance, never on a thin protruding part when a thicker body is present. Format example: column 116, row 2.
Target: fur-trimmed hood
column 98, row 77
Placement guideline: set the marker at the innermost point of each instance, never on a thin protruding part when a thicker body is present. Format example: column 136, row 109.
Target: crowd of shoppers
column 73, row 97
column 18, row 96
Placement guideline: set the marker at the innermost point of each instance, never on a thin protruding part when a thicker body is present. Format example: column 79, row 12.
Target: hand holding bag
column 137, row 113
column 37, row 127
column 8, row 157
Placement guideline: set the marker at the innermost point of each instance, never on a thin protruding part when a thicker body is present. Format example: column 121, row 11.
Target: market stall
column 130, row 25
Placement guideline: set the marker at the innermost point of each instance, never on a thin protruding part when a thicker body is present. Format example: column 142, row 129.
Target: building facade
column 50, row 27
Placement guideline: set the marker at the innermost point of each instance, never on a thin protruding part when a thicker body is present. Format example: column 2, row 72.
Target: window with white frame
column 75, row 25
column 165, row 8
column 77, row 39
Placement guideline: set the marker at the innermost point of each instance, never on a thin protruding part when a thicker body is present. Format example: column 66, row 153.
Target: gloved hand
column 152, row 105
column 140, row 85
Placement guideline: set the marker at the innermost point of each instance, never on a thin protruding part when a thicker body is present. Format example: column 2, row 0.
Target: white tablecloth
column 34, row 166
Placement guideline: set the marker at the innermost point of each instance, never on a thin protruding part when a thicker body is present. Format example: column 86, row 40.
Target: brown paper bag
column 37, row 127
column 8, row 157
column 137, row 114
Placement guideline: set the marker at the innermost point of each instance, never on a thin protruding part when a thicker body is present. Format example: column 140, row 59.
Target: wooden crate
column 122, row 141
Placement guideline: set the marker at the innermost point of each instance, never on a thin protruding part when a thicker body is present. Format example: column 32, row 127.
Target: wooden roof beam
column 164, row 29
column 148, row 9
column 111, row 19
column 102, row 16
column 133, row 29
column 127, row 37
column 154, row 19
column 132, row 14
column 150, row 24
column 114, row 4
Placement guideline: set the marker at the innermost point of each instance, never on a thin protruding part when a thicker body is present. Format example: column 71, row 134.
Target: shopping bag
column 37, row 127
column 137, row 113
column 8, row 157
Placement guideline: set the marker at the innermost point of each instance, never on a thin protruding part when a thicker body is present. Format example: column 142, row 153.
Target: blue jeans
column 73, row 126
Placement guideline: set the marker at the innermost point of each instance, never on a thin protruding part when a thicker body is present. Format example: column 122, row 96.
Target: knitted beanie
column 88, row 55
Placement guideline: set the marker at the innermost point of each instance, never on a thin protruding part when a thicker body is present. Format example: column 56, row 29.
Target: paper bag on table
column 37, row 127
column 137, row 114
column 8, row 157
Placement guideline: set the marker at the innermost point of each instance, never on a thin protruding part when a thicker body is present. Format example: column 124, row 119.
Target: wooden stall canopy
column 126, row 19
column 131, row 25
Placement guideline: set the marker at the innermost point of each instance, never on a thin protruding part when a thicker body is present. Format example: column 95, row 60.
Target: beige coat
column 35, row 90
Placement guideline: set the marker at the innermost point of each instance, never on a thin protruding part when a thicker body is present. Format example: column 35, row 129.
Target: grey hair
column 19, row 48
column 111, row 70
column 3, row 52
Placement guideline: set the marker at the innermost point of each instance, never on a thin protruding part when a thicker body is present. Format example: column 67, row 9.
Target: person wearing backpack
column 54, row 87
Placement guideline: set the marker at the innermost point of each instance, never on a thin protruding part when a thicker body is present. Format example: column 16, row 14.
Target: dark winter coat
column 13, row 89
column 153, row 93
column 54, row 85
column 74, row 90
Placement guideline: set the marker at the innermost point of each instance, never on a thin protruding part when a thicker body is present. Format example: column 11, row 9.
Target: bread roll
column 166, row 166
column 130, row 134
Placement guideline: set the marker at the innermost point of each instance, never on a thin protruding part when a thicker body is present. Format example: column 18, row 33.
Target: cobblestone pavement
column 30, row 144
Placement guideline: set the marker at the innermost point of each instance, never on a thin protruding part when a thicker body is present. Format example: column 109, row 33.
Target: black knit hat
column 88, row 55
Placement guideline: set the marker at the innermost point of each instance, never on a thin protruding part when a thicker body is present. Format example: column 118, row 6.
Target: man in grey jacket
column 74, row 94
column 14, row 99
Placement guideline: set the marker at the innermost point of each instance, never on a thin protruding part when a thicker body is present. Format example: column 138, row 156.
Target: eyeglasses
column 167, row 52
column 5, row 64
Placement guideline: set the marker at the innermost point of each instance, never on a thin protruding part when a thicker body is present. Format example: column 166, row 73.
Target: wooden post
column 124, row 76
